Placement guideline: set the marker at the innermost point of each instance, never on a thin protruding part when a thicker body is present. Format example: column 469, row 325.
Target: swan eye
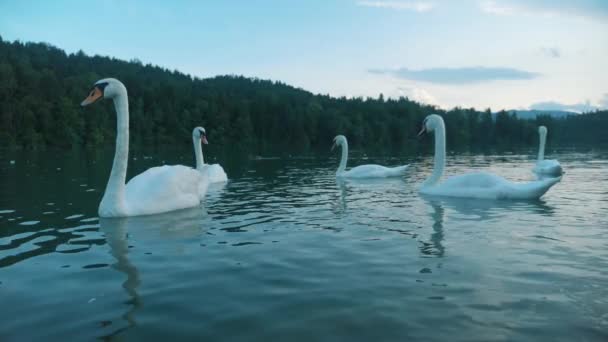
column 102, row 86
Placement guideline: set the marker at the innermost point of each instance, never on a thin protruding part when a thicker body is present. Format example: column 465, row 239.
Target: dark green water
column 284, row 252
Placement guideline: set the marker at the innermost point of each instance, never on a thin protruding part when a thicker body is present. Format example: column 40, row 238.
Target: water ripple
column 285, row 246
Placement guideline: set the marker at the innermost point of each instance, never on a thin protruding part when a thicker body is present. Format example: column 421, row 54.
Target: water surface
column 284, row 251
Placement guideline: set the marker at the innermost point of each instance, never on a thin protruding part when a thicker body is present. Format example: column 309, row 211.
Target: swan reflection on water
column 434, row 246
column 360, row 194
column 480, row 209
column 368, row 192
column 148, row 231
column 339, row 206
column 475, row 210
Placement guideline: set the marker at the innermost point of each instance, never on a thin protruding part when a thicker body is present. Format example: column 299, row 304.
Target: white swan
column 474, row 185
column 545, row 167
column 213, row 172
column 158, row 189
column 363, row 171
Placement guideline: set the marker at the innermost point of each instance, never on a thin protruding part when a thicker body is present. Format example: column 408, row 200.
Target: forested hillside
column 41, row 88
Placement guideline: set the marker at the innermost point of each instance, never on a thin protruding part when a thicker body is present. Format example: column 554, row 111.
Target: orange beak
column 95, row 95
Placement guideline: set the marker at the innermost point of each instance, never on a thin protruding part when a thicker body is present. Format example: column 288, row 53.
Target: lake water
column 284, row 252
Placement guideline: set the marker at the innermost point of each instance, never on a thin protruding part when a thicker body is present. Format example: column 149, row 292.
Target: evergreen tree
column 41, row 88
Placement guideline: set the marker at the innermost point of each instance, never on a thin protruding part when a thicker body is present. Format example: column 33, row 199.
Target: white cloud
column 493, row 7
column 549, row 8
column 417, row 6
column 462, row 75
column 418, row 94
column 603, row 103
column 424, row 96
column 553, row 52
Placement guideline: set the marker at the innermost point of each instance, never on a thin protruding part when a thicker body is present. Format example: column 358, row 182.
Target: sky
column 498, row 54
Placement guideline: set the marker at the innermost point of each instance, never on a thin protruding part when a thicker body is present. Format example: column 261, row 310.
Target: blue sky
column 481, row 53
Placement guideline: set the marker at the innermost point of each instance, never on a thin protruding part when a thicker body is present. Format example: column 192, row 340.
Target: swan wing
column 215, row 173
column 164, row 188
column 374, row 171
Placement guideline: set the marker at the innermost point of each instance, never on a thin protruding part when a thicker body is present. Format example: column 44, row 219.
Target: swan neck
column 198, row 153
column 439, row 159
column 541, row 148
column 344, row 158
column 115, row 189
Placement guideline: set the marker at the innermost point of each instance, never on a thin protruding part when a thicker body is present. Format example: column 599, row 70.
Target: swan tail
column 552, row 172
column 538, row 188
column 548, row 168
column 399, row 170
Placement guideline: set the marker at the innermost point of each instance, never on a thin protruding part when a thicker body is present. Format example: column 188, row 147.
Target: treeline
column 41, row 87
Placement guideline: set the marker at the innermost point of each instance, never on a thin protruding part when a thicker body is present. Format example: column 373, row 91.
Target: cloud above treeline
column 465, row 75
column 604, row 101
column 417, row 94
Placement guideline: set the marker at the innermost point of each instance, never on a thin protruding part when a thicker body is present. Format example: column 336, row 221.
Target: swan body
column 157, row 190
column 373, row 171
column 481, row 185
column 546, row 167
column 484, row 185
column 214, row 173
column 364, row 171
column 161, row 189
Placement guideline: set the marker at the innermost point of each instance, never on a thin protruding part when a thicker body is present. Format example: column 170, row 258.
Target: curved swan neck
column 198, row 153
column 114, row 195
column 541, row 148
column 439, row 159
column 344, row 157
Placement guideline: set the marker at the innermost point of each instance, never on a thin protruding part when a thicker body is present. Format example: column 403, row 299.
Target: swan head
column 339, row 140
column 201, row 134
column 107, row 88
column 542, row 130
column 430, row 123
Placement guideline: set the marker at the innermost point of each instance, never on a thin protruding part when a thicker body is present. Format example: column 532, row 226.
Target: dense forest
column 41, row 88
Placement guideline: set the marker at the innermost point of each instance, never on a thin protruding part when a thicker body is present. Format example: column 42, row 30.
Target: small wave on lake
column 284, row 251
